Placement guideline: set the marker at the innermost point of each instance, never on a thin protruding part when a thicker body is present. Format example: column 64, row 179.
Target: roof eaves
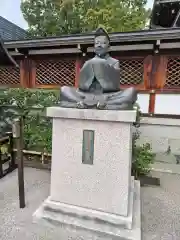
column 88, row 38
column 5, row 57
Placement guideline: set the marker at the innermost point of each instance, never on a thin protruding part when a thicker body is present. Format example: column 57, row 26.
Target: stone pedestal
column 91, row 184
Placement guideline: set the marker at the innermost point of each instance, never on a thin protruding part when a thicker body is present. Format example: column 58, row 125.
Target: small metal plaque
column 88, row 147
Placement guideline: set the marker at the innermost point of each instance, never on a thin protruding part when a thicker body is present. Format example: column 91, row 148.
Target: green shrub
column 142, row 157
column 38, row 133
column 31, row 105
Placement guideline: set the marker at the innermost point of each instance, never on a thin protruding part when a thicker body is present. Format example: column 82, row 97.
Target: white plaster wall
column 161, row 133
column 143, row 101
column 167, row 104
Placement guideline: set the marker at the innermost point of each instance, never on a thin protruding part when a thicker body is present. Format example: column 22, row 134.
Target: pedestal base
column 100, row 224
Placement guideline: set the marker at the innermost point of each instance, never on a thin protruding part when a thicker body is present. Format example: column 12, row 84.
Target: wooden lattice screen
column 55, row 72
column 173, row 72
column 131, row 71
column 9, row 76
column 62, row 72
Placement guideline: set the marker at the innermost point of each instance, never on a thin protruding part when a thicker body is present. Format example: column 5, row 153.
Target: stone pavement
column 166, row 167
column 160, row 209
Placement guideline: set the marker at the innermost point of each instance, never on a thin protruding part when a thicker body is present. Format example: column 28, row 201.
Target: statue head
column 101, row 42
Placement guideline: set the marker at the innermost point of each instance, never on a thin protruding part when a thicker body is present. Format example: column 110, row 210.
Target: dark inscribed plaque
column 88, row 147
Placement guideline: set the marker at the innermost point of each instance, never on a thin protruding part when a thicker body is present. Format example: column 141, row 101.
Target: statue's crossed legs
column 121, row 100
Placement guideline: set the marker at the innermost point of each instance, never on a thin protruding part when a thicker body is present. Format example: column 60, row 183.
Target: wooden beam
column 170, row 45
column 122, row 47
column 14, row 53
column 48, row 86
column 54, row 51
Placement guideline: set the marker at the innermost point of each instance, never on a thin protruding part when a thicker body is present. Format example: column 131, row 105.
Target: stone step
column 166, row 167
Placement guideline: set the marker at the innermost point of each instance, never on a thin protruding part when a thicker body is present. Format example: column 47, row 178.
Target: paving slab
column 166, row 167
column 160, row 209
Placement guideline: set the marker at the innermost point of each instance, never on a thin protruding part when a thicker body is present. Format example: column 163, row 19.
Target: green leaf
column 31, row 104
column 56, row 17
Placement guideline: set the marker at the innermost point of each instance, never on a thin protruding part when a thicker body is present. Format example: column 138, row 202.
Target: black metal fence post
column 11, row 151
column 1, row 166
column 18, row 134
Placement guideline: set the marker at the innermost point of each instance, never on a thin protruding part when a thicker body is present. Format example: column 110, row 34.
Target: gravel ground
column 160, row 208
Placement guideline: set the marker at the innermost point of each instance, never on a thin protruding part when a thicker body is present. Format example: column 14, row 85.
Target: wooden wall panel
column 78, row 65
column 25, row 65
column 154, row 76
column 161, row 72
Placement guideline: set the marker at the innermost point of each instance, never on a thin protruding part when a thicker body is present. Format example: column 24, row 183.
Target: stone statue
column 99, row 82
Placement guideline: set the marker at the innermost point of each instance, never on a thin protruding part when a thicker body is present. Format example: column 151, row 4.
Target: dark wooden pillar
column 33, row 74
column 25, row 66
column 22, row 73
column 158, row 78
column 147, row 71
column 161, row 73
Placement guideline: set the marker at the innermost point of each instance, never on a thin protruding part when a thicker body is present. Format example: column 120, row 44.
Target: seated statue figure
column 99, row 82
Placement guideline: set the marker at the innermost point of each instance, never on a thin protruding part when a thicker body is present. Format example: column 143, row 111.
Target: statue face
column 101, row 45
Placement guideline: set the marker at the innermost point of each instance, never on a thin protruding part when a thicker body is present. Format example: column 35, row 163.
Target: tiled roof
column 10, row 31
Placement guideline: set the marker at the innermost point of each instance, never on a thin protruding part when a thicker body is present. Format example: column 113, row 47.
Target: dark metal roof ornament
column 5, row 58
column 165, row 14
